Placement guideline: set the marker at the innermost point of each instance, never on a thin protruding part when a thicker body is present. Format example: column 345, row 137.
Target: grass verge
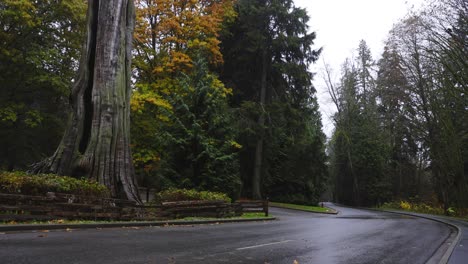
column 68, row 222
column 308, row 208
column 243, row 216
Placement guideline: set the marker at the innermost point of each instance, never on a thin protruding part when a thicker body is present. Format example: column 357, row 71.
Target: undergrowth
column 425, row 208
column 18, row 182
column 174, row 195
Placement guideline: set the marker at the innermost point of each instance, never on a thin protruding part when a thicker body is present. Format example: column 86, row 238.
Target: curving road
column 353, row 236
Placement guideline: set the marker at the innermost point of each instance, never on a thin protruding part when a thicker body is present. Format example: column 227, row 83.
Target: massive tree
column 96, row 143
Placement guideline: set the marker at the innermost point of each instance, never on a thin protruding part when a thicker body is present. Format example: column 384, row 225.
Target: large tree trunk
column 257, row 175
column 97, row 142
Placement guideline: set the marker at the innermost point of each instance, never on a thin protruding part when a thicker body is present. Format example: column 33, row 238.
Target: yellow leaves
column 140, row 99
column 147, row 158
column 405, row 205
column 235, row 145
column 218, row 85
column 158, row 69
column 21, row 11
column 179, row 62
column 8, row 114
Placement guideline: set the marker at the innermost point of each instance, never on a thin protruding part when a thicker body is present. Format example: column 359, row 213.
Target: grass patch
column 243, row 216
column 61, row 222
column 255, row 215
column 71, row 222
column 315, row 209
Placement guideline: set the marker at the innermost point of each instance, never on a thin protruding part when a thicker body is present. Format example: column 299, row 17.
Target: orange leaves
column 169, row 35
column 179, row 62
column 181, row 28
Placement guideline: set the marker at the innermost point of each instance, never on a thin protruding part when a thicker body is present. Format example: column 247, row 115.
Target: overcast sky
column 340, row 25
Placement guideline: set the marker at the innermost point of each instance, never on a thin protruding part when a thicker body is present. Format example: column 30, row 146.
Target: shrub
column 418, row 207
column 18, row 182
column 405, row 205
column 174, row 195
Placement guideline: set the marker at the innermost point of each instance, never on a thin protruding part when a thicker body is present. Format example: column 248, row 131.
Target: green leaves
column 174, row 195
column 268, row 46
column 23, row 183
column 193, row 144
column 41, row 41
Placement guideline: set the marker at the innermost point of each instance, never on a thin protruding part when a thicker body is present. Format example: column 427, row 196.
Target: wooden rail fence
column 254, row 206
column 17, row 207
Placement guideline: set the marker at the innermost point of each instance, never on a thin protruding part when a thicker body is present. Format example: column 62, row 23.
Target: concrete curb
column 38, row 227
column 334, row 212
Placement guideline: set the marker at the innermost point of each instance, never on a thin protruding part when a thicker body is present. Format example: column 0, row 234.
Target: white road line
column 264, row 245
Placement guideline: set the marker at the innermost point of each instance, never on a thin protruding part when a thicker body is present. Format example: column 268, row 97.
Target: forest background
column 223, row 100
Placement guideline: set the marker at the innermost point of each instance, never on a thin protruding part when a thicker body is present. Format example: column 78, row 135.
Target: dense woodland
column 222, row 100
column 401, row 125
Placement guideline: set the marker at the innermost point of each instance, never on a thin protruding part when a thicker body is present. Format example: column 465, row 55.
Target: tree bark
column 96, row 143
column 257, row 175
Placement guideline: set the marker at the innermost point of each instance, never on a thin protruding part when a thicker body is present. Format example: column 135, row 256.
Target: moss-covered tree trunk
column 97, row 141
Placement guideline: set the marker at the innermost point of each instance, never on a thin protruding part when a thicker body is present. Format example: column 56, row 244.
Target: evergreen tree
column 359, row 151
column 267, row 51
column 177, row 141
column 199, row 144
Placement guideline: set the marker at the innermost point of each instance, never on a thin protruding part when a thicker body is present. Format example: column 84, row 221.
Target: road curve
column 352, row 236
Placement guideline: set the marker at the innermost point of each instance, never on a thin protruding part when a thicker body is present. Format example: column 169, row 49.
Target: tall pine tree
column 267, row 51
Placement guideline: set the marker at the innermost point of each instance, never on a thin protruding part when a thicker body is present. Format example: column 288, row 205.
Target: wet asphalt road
column 353, row 236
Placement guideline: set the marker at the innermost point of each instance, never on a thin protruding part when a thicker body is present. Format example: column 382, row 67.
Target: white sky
column 340, row 25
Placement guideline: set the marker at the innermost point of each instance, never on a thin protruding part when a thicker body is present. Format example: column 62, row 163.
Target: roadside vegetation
column 175, row 195
column 18, row 182
column 223, row 106
column 426, row 208
column 70, row 222
column 401, row 127
column 222, row 101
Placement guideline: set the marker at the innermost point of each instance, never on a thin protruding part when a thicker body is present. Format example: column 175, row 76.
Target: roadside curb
column 333, row 211
column 39, row 227
column 446, row 256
